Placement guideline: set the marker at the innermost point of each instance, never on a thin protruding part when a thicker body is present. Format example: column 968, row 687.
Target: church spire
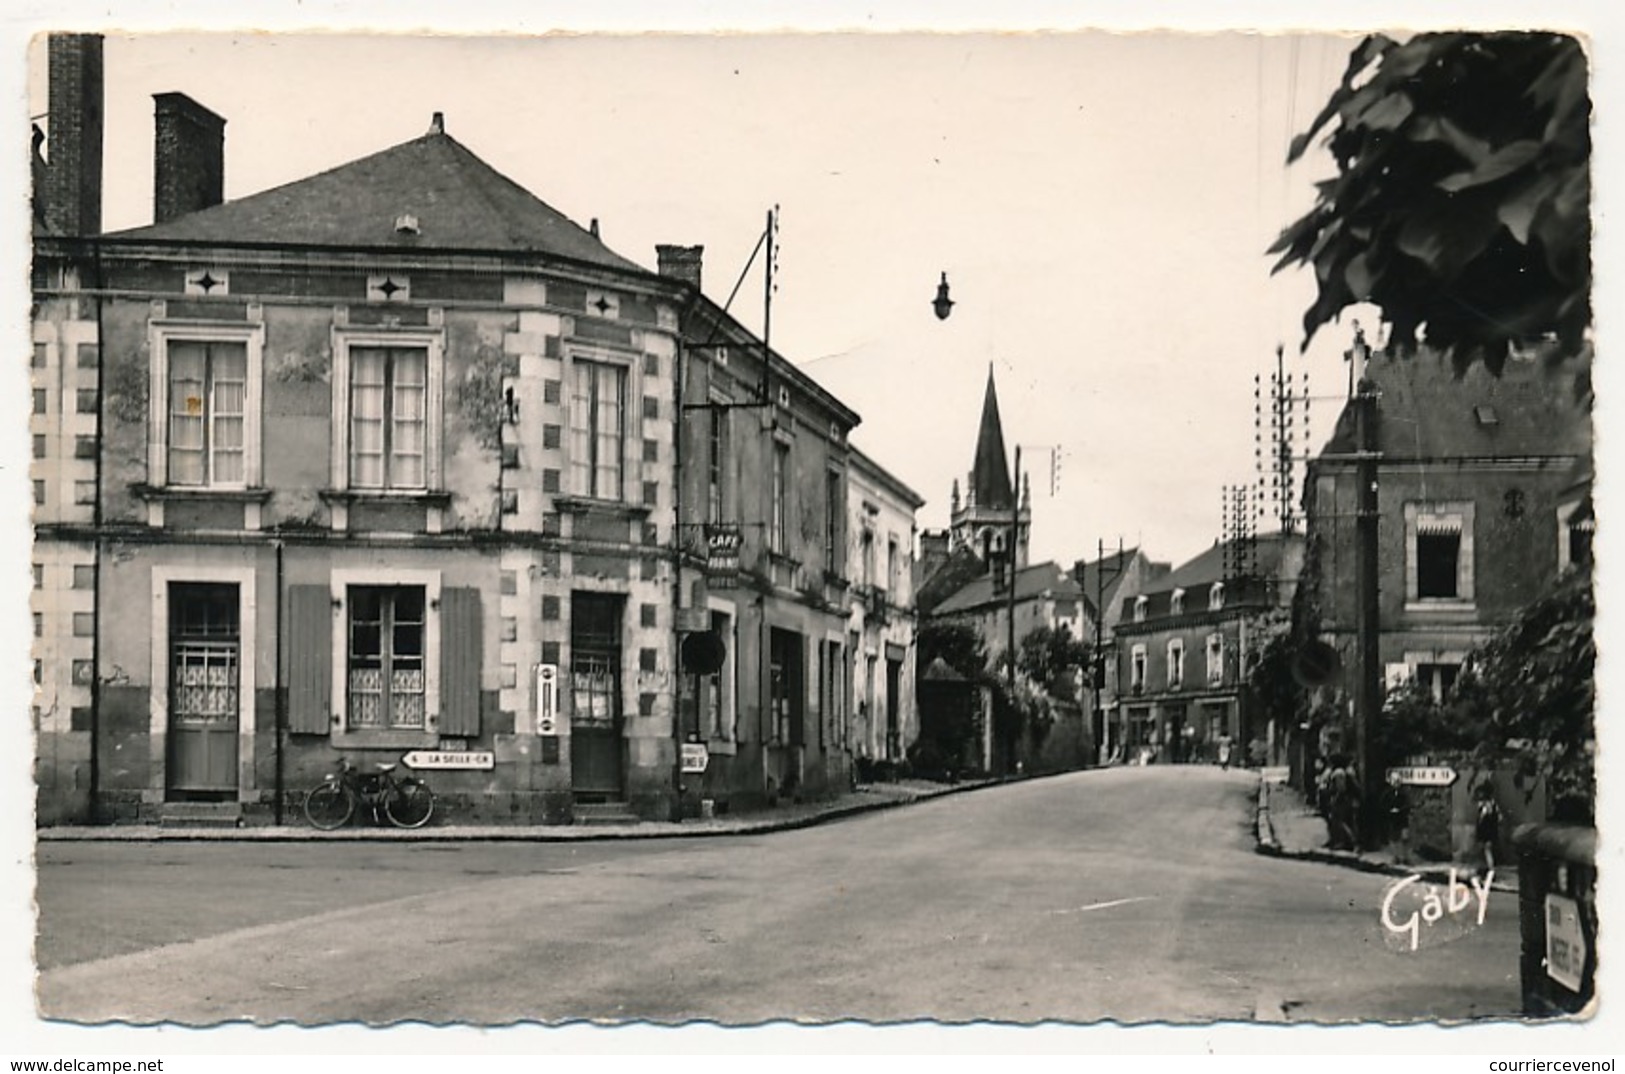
column 990, row 473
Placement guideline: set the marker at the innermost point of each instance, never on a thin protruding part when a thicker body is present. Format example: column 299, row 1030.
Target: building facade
column 1483, row 499
column 764, row 534
column 1183, row 646
column 885, row 718
column 377, row 463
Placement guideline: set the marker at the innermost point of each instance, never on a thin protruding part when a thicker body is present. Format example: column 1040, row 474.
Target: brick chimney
column 73, row 145
column 189, row 157
column 681, row 263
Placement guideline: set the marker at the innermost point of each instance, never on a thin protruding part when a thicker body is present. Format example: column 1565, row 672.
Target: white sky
column 1101, row 204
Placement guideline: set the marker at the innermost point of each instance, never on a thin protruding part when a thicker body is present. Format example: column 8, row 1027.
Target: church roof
column 459, row 202
column 990, row 473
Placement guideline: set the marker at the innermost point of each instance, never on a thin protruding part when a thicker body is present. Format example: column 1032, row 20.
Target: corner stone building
column 374, row 462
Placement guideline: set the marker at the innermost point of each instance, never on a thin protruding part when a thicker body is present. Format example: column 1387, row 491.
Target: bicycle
column 405, row 800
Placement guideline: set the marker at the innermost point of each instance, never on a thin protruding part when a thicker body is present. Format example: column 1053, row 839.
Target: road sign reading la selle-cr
column 449, row 759
column 1435, row 776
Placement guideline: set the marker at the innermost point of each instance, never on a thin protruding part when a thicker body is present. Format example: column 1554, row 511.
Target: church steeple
column 988, row 520
column 990, row 472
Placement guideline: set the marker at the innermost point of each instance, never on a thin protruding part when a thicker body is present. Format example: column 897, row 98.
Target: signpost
column 695, row 757
column 445, row 760
column 1435, row 776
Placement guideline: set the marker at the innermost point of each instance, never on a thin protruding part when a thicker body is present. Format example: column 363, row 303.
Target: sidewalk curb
column 562, row 833
column 1269, row 845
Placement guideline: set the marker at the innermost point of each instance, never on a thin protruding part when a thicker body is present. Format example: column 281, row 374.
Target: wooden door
column 595, row 680
column 204, row 696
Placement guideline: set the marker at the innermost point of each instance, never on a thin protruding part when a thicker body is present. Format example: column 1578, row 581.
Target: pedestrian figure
column 1224, row 751
column 1340, row 800
column 1487, row 824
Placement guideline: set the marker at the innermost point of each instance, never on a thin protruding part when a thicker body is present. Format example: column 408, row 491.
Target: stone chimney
column 189, row 157
column 681, row 263
column 73, row 172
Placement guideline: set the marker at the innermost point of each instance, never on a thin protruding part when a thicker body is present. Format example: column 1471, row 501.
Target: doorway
column 205, row 648
column 595, row 682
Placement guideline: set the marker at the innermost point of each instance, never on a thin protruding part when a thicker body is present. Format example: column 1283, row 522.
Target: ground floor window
column 386, row 680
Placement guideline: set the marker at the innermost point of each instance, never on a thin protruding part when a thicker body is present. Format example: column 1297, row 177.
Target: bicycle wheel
column 409, row 804
column 328, row 806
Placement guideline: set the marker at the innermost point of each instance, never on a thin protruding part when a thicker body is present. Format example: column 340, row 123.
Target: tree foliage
column 1526, row 697
column 1051, row 659
column 958, row 644
column 1536, row 688
column 1461, row 204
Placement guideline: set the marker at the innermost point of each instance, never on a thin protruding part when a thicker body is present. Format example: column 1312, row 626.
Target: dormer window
column 1176, row 603
column 1139, row 609
column 1215, row 597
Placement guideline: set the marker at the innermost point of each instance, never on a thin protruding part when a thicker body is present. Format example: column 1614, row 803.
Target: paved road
column 1130, row 894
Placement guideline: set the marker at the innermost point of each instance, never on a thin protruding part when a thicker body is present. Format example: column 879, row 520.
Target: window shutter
column 460, row 662
column 310, row 659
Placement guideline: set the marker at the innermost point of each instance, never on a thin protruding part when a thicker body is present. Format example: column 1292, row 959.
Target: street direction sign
column 450, row 759
column 695, row 757
column 1434, row 776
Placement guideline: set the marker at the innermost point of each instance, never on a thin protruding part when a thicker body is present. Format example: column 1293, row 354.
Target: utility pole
column 1368, row 681
column 1010, row 582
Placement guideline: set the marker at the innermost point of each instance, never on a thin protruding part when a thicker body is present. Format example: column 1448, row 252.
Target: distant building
column 1483, row 499
column 881, row 628
column 1183, row 646
column 1104, row 583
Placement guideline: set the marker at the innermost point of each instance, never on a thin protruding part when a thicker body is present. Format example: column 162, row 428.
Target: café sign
column 722, row 550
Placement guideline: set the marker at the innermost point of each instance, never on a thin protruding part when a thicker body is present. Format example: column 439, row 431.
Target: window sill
column 386, row 740
column 1444, row 605
column 591, row 505
column 154, row 493
column 425, row 497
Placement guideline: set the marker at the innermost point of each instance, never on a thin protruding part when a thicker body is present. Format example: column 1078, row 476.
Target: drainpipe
column 281, row 716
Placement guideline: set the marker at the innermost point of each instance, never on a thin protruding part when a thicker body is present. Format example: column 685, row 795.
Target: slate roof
column 460, row 202
column 990, row 472
column 1088, row 575
column 1031, row 582
column 1426, row 412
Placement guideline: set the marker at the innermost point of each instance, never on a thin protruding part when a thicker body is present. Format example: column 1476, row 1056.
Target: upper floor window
column 1215, row 597
column 389, row 390
column 1137, row 668
column 1176, row 664
column 1576, row 526
column 834, row 503
column 208, row 399
column 1439, row 552
column 778, row 523
column 598, row 429
column 1176, row 603
column 891, row 563
column 386, row 410
column 1139, row 609
column 1215, row 659
column 716, row 463
column 868, row 557
column 205, row 405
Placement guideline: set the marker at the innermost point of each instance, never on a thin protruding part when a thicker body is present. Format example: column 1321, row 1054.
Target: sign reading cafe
column 722, row 550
